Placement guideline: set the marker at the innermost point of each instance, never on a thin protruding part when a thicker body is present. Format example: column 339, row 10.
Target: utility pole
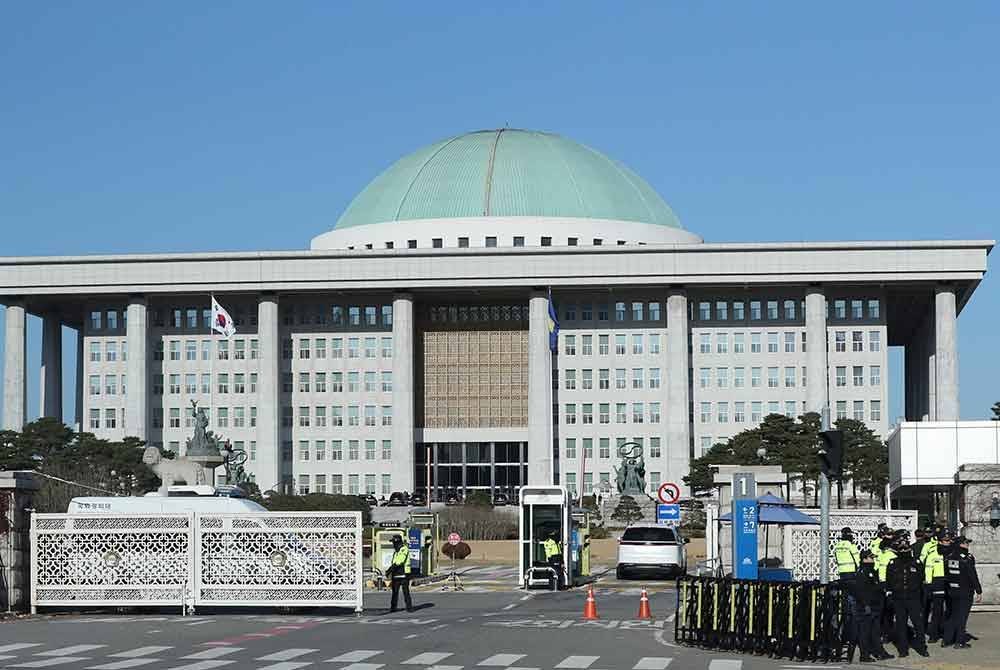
column 824, row 512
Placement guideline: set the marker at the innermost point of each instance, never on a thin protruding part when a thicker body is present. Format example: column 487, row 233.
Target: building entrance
column 465, row 467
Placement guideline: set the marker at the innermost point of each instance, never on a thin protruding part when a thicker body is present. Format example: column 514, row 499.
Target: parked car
column 397, row 499
column 500, row 499
column 370, row 499
column 453, row 497
column 418, row 499
column 651, row 549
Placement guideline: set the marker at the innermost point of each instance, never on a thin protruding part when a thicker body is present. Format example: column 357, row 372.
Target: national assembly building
column 412, row 340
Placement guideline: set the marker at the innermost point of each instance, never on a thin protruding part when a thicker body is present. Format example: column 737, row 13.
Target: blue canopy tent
column 775, row 511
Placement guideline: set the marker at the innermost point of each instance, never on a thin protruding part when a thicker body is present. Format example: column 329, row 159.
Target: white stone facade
column 277, row 376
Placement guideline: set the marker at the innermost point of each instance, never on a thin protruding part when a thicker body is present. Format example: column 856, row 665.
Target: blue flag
column 553, row 325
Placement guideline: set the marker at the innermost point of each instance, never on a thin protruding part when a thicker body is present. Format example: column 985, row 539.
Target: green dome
column 507, row 172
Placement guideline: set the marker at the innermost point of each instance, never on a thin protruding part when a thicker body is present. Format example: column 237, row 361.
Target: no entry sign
column 669, row 493
column 454, row 538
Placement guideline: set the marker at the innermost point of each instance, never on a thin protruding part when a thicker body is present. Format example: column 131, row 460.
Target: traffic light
column 831, row 453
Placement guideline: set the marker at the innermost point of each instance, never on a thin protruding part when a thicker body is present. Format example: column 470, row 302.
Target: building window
column 772, row 310
column 704, row 377
column 857, row 309
column 704, row 311
column 722, row 310
column 789, row 310
column 109, row 418
column 772, row 378
column 739, row 412
column 859, row 375
column 789, row 343
column 840, row 309
column 654, row 344
column 619, row 311
column 637, row 311
column 95, row 352
column 873, row 309
column 463, row 242
column 620, row 345
column 722, row 377
column 546, row 241
column 755, row 377
column 841, row 375
column 859, row 410
column 588, row 413
column 857, row 341
column 603, row 344
column 705, row 343
column 654, row 378
column 437, row 243
column 587, row 380
column 876, row 410
column 790, row 377
column 772, row 343
column 840, row 341
column 739, row 377
column 874, row 340
column 706, row 412
column 518, row 241
column 754, row 343
column 569, row 377
column 569, row 345
column 588, row 345
column 739, row 311
column 790, row 409
column 755, row 313
column 570, row 413
column 756, row 411
column 723, row 412
column 636, row 344
column 876, row 375
column 739, row 343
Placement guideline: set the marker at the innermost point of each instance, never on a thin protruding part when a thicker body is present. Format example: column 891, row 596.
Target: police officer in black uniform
column 961, row 581
column 905, row 579
column 868, row 599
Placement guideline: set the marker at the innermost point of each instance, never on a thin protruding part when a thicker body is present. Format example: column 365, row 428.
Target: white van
column 154, row 504
column 651, row 548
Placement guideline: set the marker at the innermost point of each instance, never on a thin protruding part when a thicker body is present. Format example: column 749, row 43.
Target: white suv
column 651, row 548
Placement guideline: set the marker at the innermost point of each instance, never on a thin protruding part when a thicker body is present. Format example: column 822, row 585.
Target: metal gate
column 187, row 560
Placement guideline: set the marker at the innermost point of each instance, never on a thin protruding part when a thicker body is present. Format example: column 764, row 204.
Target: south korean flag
column 222, row 323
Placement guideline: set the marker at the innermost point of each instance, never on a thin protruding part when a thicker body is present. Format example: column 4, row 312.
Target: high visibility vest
column 882, row 563
column 551, row 548
column 848, row 557
column 930, row 547
column 402, row 557
column 875, row 548
column 933, row 567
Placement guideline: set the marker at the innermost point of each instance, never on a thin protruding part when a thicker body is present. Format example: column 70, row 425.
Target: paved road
column 451, row 631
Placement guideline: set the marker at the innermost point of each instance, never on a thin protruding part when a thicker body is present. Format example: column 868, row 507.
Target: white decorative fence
column 187, row 560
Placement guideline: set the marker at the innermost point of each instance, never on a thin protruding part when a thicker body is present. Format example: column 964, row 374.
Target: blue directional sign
column 668, row 514
column 745, row 538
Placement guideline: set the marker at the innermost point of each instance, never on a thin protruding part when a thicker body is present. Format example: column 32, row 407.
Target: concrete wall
column 980, row 482
column 16, row 492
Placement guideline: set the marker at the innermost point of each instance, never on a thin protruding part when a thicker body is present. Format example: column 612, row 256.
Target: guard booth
column 547, row 510
column 420, row 532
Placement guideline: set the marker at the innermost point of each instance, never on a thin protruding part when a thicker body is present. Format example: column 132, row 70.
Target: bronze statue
column 631, row 476
column 202, row 442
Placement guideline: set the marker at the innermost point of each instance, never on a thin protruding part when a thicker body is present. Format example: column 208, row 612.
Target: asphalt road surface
column 450, row 631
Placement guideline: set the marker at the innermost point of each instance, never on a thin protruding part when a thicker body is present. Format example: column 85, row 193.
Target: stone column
column 269, row 465
column 403, row 419
column 136, row 369
column 678, row 447
column 817, row 382
column 540, row 466
column 946, row 353
column 14, row 368
column 80, row 420
column 50, row 384
column 930, row 365
column 17, row 488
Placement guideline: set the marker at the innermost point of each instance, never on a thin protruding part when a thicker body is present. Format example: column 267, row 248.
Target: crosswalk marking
column 725, row 664
column 363, row 666
column 286, row 654
column 214, row 652
column 19, row 645
column 652, row 663
column 140, row 651
column 125, row 664
column 446, row 667
column 202, row 665
column 57, row 660
column 505, row 660
column 354, row 656
column 69, row 651
column 286, row 665
column 427, row 658
column 578, row 662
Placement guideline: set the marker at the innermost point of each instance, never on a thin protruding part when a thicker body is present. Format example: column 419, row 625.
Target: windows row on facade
column 635, row 412
column 334, row 484
column 368, row 381
column 784, row 309
column 786, row 376
column 492, row 241
column 200, row 318
column 639, row 377
column 788, row 342
column 302, row 348
column 719, row 411
column 305, row 416
column 623, row 344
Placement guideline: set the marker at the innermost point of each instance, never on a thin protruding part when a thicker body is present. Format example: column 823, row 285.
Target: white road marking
column 578, row 662
column 354, row 656
column 670, row 618
column 286, row 654
column 69, row 651
column 510, row 607
column 725, row 664
column 652, row 663
column 363, row 666
column 411, row 636
column 202, row 665
column 198, row 623
column 141, row 651
column 446, row 667
column 286, row 665
column 427, row 658
column 505, row 660
column 526, row 598
column 19, row 645
column 58, row 660
column 214, row 652
column 440, row 625
column 124, row 665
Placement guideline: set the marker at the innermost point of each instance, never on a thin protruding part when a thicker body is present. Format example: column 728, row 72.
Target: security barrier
column 804, row 621
column 201, row 559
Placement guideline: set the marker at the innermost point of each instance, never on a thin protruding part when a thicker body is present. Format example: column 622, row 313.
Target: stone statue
column 202, row 442
column 631, row 476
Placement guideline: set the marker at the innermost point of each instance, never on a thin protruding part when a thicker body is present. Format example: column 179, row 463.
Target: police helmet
column 397, row 541
column 961, row 539
column 945, row 536
column 866, row 555
column 846, row 533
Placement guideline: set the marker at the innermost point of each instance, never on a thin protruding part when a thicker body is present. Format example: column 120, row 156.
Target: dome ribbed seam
column 569, row 171
column 409, row 187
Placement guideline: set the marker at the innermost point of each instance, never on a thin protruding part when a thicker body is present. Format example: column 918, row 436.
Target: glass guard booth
column 547, row 510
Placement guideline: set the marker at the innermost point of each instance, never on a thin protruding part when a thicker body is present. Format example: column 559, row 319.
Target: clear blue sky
column 149, row 127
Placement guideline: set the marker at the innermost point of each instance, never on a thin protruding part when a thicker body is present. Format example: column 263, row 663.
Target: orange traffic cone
column 644, row 612
column 590, row 608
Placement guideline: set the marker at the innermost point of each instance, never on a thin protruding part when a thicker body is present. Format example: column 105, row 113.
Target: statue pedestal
column 647, row 507
column 208, row 464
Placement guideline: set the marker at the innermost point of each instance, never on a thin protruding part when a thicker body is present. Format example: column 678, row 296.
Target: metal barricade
column 802, row 621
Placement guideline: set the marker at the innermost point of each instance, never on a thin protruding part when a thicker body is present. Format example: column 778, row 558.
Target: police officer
column 905, row 580
column 868, row 599
column 885, row 557
column 875, row 547
column 929, row 546
column 934, row 579
column 961, row 581
column 400, row 569
column 553, row 556
column 847, row 555
column 919, row 538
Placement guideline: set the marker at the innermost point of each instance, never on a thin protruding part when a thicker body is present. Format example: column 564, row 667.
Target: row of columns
column 931, row 376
